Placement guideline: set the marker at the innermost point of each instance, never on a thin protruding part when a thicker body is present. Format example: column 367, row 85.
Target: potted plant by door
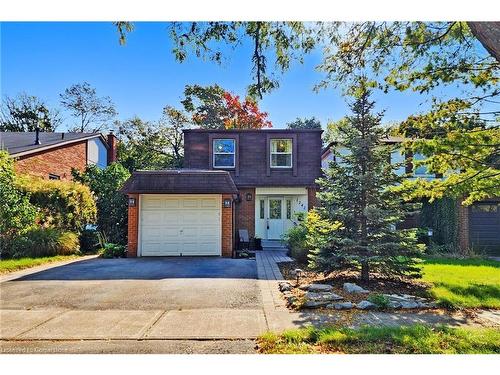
column 257, row 241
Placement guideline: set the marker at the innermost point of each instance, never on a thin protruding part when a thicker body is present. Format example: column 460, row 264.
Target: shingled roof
column 180, row 181
column 23, row 143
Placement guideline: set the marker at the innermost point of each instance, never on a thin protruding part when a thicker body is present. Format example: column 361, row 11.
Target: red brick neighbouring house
column 53, row 155
column 256, row 180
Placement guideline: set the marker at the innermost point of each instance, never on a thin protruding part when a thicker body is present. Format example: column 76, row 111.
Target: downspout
column 233, row 225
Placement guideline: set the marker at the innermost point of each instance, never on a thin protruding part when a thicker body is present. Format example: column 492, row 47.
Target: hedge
column 61, row 204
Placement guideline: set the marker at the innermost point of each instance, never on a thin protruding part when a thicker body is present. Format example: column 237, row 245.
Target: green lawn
column 10, row 265
column 416, row 339
column 464, row 283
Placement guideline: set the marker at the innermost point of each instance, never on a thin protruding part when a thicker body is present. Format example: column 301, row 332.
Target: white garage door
column 173, row 225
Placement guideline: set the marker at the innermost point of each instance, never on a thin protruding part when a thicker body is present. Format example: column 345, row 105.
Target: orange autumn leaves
column 232, row 113
column 244, row 115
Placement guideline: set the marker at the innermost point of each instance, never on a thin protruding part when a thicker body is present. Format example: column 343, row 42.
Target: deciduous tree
column 206, row 105
column 24, row 113
column 304, row 123
column 244, row 114
column 142, row 145
column 93, row 113
column 111, row 203
column 458, row 132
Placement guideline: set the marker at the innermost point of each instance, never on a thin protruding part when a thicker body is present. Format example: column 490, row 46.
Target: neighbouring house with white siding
column 478, row 224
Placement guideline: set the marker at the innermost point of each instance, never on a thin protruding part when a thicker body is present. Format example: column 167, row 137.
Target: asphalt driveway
column 138, row 284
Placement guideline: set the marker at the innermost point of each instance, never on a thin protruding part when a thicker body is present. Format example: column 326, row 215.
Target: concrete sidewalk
column 201, row 324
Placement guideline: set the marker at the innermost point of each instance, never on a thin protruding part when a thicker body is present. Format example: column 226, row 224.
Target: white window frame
column 224, row 153
column 271, row 153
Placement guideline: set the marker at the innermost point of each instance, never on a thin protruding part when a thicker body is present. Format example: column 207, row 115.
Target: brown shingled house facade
column 258, row 180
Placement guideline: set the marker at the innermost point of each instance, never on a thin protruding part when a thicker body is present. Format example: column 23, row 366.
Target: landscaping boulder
column 319, row 288
column 365, row 305
column 325, row 296
column 285, row 286
column 341, row 305
column 310, row 304
column 353, row 288
column 407, row 301
column 409, row 305
column 394, row 305
column 319, row 299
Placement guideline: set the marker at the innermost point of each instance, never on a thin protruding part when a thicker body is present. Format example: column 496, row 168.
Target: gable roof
column 23, row 143
column 180, row 181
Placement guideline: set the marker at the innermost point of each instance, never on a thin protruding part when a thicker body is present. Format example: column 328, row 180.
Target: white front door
column 275, row 222
column 173, row 225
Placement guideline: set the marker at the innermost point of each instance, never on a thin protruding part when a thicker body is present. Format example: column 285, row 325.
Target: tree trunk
column 365, row 271
column 488, row 33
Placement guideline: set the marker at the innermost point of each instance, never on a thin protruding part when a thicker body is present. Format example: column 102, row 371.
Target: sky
column 141, row 77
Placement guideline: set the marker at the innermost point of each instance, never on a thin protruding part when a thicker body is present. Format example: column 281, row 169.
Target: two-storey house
column 256, row 180
column 478, row 224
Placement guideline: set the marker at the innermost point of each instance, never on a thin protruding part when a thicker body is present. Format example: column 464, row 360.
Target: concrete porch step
column 274, row 244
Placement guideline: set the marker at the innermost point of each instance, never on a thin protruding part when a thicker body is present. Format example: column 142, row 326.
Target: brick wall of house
column 312, row 201
column 227, row 228
column 57, row 161
column 133, row 222
column 245, row 212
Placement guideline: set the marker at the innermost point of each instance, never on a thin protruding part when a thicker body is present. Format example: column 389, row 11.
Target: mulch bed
column 377, row 285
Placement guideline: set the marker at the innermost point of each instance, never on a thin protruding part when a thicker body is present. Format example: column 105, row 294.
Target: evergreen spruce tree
column 356, row 191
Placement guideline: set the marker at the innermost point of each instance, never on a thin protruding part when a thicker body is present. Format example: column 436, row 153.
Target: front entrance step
column 273, row 244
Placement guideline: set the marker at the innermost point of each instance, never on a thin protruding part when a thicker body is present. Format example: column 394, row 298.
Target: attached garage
column 172, row 225
column 484, row 227
column 180, row 213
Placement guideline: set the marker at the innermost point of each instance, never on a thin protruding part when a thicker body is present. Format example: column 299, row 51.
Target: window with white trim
column 281, row 153
column 224, row 153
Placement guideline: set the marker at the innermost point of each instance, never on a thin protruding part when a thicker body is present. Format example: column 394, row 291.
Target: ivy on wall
column 442, row 216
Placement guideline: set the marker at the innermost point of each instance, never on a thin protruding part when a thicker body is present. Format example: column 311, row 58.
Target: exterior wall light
column 249, row 196
column 227, row 203
column 131, row 202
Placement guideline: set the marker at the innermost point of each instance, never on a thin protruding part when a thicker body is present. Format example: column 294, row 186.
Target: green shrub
column 295, row 238
column 112, row 250
column 380, row 300
column 112, row 207
column 442, row 216
column 61, row 204
column 44, row 242
column 321, row 238
column 312, row 234
column 89, row 241
column 17, row 215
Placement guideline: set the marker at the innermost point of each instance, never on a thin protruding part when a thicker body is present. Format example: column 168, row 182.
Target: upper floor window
column 422, row 169
column 281, row 153
column 224, row 153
